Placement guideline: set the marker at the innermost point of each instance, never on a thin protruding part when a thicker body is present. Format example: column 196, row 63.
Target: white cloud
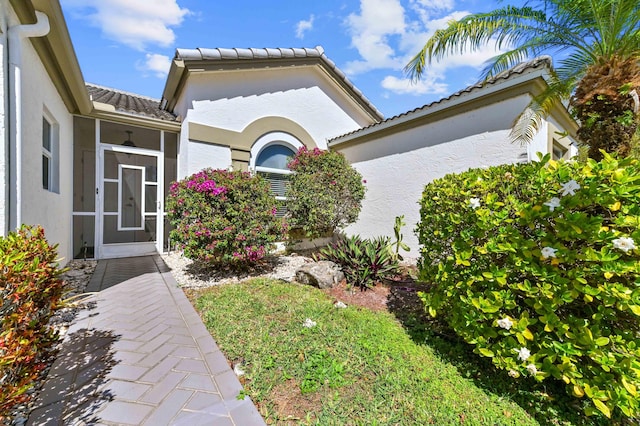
column 388, row 35
column 304, row 26
column 135, row 23
column 370, row 34
column 155, row 63
column 404, row 86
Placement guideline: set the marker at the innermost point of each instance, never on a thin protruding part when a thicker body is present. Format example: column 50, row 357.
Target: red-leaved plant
column 30, row 292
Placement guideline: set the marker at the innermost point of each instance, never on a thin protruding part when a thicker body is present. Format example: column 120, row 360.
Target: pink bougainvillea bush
column 224, row 218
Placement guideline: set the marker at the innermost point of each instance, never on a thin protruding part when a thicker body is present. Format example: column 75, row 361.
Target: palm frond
column 526, row 125
column 504, row 26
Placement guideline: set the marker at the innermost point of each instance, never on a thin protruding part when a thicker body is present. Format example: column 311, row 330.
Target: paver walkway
column 140, row 355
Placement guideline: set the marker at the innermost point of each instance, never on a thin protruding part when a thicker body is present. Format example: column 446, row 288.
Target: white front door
column 129, row 200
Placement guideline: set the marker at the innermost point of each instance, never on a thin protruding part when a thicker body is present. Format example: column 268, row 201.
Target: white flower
column 553, row 203
column 474, row 203
column 238, row 369
column 548, row 252
column 505, row 323
column 624, row 243
column 531, row 368
column 570, row 187
column 523, row 354
column 309, row 323
column 513, row 373
column 339, row 304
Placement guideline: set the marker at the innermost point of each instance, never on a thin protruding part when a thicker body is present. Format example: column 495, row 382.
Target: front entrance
column 129, row 198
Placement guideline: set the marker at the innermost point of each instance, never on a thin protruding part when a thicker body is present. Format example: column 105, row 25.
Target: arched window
column 269, row 157
column 272, row 165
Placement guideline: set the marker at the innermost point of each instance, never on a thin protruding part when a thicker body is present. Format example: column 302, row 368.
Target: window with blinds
column 271, row 164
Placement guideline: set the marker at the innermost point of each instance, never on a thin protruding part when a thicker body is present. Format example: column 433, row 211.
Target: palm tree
column 598, row 70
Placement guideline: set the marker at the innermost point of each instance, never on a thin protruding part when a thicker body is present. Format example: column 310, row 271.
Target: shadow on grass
column 547, row 402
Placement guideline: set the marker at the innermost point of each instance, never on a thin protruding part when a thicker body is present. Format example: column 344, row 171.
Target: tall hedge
column 537, row 266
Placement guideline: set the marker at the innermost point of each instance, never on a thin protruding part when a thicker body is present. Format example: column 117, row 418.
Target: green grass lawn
column 358, row 367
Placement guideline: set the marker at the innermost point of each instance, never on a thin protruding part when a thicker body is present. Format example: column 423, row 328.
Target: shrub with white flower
column 575, row 321
column 505, row 323
column 474, row 203
column 548, row 252
column 523, row 354
column 624, row 243
column 570, row 188
column 553, row 203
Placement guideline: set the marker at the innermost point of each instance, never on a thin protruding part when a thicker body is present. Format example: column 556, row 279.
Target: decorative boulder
column 323, row 274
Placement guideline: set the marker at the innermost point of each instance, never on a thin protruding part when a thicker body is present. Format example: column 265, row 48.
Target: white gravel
column 190, row 274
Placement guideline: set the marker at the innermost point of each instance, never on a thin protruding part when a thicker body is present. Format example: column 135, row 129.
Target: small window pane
column 131, row 214
column 278, row 182
column 559, row 151
column 46, row 135
column 83, row 236
column 110, row 197
column 151, row 198
column 45, row 171
column 274, row 157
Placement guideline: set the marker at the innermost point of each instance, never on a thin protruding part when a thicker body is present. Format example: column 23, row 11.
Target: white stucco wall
column 232, row 101
column 303, row 94
column 3, row 119
column 39, row 206
column 398, row 165
column 195, row 156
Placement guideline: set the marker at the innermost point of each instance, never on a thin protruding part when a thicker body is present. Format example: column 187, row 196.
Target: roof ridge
column 219, row 53
column 123, row 92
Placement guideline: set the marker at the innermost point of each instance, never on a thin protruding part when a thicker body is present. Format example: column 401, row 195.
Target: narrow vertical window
column 47, row 156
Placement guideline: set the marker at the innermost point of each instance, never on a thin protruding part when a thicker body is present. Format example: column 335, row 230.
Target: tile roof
column 541, row 61
column 235, row 54
column 129, row 103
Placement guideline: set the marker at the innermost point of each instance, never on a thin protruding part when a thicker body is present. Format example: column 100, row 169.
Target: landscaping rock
column 322, row 274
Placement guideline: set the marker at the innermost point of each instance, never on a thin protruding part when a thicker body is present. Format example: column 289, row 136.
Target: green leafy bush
column 30, row 292
column 537, row 266
column 224, row 217
column 364, row 262
column 324, row 194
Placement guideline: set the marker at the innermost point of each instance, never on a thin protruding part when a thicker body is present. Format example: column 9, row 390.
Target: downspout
column 15, row 35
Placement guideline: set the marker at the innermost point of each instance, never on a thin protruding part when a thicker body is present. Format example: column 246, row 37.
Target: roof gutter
column 16, row 35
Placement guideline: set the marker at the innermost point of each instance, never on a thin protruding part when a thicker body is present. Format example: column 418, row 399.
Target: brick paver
column 140, row 355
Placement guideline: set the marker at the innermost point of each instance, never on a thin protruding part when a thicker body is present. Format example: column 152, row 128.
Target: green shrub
column 537, row 266
column 324, row 194
column 364, row 262
column 30, row 292
column 224, row 217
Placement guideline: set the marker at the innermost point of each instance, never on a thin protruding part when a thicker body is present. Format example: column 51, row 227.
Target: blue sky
column 128, row 44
